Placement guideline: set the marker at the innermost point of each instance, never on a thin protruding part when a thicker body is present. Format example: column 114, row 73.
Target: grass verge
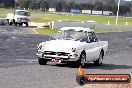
column 6, row 10
column 47, row 31
column 54, row 31
column 46, row 17
column 2, row 15
column 99, row 19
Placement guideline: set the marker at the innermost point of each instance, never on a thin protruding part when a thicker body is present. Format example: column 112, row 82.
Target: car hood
column 62, row 45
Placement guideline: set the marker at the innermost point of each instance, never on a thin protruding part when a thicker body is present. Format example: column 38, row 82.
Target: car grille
column 56, row 53
column 24, row 18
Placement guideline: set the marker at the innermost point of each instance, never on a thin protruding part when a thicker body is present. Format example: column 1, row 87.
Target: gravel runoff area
column 19, row 67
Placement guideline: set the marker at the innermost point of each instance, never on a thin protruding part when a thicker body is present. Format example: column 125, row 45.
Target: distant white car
column 19, row 17
column 73, row 44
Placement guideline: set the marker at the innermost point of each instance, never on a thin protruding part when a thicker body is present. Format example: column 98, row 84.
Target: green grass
column 47, row 31
column 3, row 12
column 2, row 15
column 45, row 18
column 99, row 19
column 55, row 31
column 6, row 10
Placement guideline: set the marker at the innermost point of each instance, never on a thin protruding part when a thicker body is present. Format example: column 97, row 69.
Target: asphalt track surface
column 19, row 67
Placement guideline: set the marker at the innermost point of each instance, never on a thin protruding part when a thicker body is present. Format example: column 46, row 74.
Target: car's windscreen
column 69, row 35
column 23, row 13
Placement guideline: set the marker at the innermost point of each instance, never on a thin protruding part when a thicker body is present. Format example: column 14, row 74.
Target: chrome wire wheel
column 100, row 60
column 83, row 58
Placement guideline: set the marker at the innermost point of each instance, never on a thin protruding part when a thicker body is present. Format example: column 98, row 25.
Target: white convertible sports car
column 73, row 44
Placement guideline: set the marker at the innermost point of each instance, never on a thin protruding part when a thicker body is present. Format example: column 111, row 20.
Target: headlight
column 73, row 49
column 39, row 47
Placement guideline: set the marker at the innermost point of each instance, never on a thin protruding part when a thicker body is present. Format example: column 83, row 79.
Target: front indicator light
column 39, row 47
column 75, row 55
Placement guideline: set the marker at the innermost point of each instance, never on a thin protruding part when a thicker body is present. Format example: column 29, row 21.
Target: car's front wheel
column 81, row 60
column 27, row 24
column 100, row 60
column 42, row 61
column 15, row 23
column 20, row 24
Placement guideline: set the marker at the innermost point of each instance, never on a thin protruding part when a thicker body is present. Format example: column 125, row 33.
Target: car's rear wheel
column 100, row 60
column 42, row 61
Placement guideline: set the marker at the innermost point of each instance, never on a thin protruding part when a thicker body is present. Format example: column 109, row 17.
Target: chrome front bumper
column 49, row 57
column 22, row 20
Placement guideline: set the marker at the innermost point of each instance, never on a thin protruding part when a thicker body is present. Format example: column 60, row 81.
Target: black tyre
column 27, row 24
column 82, row 59
column 100, row 60
column 20, row 24
column 42, row 61
column 81, row 80
column 16, row 23
column 10, row 23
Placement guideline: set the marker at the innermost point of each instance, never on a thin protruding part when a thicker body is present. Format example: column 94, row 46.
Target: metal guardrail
column 69, row 23
column 113, row 27
column 60, row 24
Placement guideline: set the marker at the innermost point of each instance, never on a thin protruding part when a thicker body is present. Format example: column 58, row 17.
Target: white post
column 108, row 22
column 52, row 24
column 126, row 23
column 118, row 12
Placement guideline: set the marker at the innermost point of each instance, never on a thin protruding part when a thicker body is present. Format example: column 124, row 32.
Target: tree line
column 63, row 5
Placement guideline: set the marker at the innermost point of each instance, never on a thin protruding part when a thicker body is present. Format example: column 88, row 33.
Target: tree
column 90, row 6
column 26, row 4
column 2, row 5
column 67, row 7
column 98, row 5
column 76, row 6
column 83, row 6
column 59, row 7
column 44, row 5
column 124, row 9
column 32, row 5
column 9, row 3
column 37, row 5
